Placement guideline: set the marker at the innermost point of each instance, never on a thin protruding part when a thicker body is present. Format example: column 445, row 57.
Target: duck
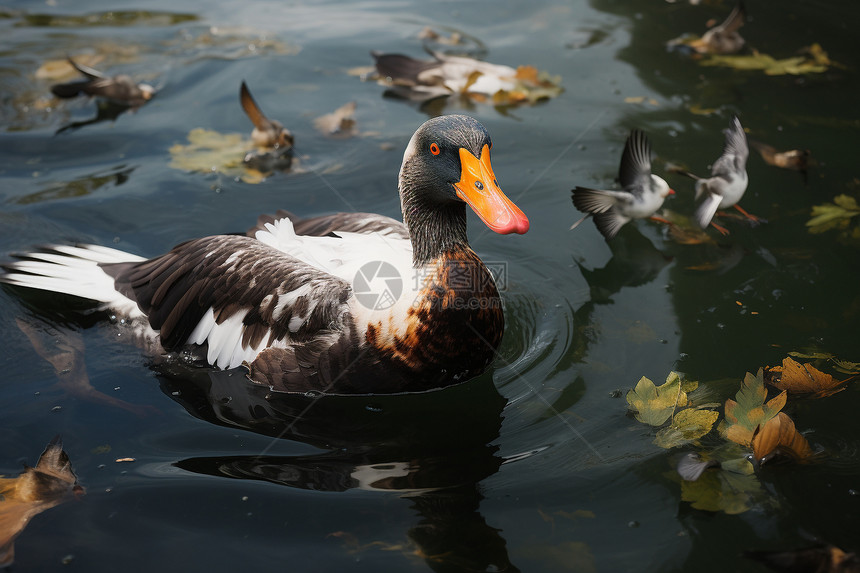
column 728, row 181
column 444, row 75
column 120, row 89
column 267, row 133
column 273, row 142
column 642, row 194
column 346, row 303
column 723, row 38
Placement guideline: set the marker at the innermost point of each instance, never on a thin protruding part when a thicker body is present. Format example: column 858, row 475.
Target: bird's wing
column 609, row 223
column 91, row 73
column 234, row 293
column 735, row 152
column 251, row 108
column 329, row 225
column 403, row 70
column 597, row 200
column 735, row 19
column 635, row 169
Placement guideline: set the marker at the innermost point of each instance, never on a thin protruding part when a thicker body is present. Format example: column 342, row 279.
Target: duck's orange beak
column 478, row 188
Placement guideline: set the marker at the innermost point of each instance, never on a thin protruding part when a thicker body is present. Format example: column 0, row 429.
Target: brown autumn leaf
column 50, row 483
column 779, row 437
column 527, row 74
column 797, row 378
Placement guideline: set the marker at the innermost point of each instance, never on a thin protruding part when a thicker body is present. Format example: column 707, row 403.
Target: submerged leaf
column 654, row 404
column 779, row 437
column 687, row 425
column 750, row 410
column 722, row 490
column 798, row 378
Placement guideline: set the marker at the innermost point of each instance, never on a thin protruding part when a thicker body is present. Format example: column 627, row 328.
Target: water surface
column 533, row 466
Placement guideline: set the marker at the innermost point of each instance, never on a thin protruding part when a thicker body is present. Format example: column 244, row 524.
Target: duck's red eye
column 434, row 149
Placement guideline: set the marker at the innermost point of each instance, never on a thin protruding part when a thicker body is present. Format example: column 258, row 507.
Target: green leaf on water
column 833, row 215
column 750, row 409
column 654, row 405
column 687, row 425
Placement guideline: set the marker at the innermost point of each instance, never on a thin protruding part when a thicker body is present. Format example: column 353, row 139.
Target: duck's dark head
column 447, row 166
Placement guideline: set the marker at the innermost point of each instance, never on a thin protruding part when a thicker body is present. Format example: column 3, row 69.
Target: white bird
column 343, row 303
column 728, row 180
column 643, row 192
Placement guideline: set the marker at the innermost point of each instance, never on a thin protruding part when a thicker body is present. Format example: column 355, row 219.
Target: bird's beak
column 671, row 192
column 478, row 188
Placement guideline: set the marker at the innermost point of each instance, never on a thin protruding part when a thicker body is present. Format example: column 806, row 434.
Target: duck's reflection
column 105, row 111
column 433, row 448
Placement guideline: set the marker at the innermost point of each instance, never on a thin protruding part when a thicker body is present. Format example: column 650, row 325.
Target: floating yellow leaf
column 654, row 404
column 814, row 60
column 687, row 425
column 833, row 215
column 750, row 410
column 212, row 152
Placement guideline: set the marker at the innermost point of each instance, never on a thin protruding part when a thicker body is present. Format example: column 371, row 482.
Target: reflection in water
column 635, row 262
column 79, row 187
column 385, row 443
column 105, row 111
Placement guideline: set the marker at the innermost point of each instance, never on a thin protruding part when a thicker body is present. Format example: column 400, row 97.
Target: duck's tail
column 73, row 270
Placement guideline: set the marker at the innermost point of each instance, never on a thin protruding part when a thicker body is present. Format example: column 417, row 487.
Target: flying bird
column 120, row 89
column 344, row 303
column 728, row 180
column 641, row 196
column 794, row 159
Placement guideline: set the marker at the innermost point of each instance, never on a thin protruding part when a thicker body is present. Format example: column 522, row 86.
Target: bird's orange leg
column 661, row 220
column 723, row 231
column 752, row 218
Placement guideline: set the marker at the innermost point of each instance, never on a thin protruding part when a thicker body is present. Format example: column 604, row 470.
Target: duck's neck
column 435, row 230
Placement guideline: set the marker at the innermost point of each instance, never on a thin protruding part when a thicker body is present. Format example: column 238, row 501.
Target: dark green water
column 534, row 466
